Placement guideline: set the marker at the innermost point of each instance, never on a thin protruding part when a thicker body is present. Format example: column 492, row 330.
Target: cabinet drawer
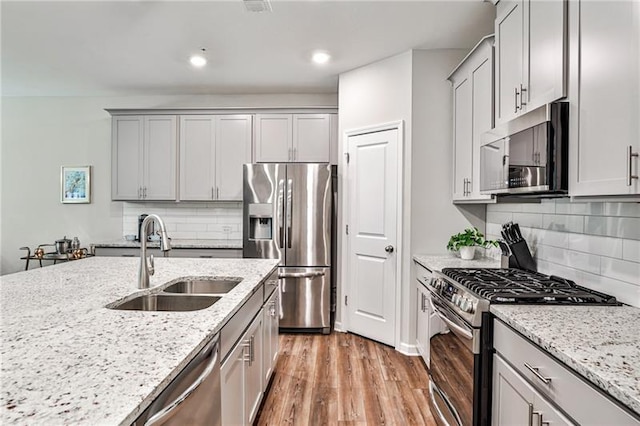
column 578, row 398
column 232, row 330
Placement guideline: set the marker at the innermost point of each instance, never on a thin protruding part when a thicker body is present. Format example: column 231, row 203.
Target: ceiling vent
column 257, row 5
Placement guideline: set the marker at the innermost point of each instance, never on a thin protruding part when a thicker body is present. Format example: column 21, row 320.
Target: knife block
column 521, row 257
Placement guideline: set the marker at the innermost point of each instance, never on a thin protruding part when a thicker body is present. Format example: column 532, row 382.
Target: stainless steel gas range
column 460, row 353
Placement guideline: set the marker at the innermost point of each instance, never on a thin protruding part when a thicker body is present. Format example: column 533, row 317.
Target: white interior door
column 373, row 214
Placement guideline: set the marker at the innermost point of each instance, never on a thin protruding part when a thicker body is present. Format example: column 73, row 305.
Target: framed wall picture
column 75, row 184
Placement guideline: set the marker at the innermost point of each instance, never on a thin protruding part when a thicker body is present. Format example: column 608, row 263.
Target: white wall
column 412, row 87
column 597, row 245
column 39, row 135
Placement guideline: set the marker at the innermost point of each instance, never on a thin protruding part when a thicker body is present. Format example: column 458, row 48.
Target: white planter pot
column 467, row 253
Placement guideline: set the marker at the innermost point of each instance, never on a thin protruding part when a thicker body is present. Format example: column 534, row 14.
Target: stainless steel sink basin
column 203, row 286
column 167, row 302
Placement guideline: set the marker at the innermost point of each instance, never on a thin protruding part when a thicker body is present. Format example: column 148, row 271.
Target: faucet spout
column 147, row 266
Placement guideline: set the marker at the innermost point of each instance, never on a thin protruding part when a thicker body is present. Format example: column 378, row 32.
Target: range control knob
column 466, row 305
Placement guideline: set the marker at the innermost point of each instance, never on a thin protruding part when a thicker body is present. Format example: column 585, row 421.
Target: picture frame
column 75, row 184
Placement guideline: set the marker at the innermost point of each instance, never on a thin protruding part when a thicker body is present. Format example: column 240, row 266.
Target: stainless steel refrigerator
column 287, row 215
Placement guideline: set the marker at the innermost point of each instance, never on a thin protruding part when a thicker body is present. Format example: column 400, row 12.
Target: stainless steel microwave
column 528, row 155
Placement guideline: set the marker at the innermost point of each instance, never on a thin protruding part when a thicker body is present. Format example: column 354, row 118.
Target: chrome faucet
column 147, row 269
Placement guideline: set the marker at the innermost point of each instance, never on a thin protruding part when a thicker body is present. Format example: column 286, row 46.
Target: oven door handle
column 465, row 333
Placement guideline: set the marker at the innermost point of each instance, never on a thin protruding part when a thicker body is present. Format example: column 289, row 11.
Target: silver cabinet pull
column 161, row 415
column 145, row 192
column 289, row 155
column 212, row 193
column 522, row 90
column 139, row 192
column 252, row 352
column 630, row 156
column 536, row 372
column 295, row 154
column 246, row 357
column 217, row 193
column 516, row 99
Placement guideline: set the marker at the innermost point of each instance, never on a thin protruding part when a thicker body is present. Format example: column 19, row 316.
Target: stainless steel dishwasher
column 193, row 397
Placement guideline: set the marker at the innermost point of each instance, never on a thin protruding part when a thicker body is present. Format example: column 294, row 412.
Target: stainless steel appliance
column 287, row 215
column 527, row 156
column 193, row 397
column 460, row 355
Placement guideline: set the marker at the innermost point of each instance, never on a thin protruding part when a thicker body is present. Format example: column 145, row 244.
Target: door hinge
column 346, row 300
column 347, row 229
column 346, row 154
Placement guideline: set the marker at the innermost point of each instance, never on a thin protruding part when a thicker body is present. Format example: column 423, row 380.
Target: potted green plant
column 467, row 241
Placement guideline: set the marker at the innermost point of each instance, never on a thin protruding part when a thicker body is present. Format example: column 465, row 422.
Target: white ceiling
column 89, row 48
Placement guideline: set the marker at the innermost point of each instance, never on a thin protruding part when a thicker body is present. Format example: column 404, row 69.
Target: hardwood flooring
column 345, row 379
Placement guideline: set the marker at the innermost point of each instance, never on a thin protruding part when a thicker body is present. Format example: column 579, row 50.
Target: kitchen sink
column 203, row 286
column 167, row 302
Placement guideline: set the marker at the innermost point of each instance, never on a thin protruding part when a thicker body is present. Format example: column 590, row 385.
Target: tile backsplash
column 595, row 244
column 219, row 221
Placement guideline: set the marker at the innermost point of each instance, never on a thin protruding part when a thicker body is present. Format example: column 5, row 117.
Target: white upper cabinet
column 530, row 55
column 302, row 138
column 472, row 84
column 144, row 165
column 212, row 151
column 605, row 98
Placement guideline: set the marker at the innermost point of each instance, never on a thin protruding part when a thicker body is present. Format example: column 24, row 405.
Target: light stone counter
column 435, row 262
column 66, row 359
column 600, row 343
column 175, row 243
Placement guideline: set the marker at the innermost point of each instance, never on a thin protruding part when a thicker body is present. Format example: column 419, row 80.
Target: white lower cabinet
column 422, row 323
column 515, row 402
column 531, row 387
column 271, row 345
column 241, row 377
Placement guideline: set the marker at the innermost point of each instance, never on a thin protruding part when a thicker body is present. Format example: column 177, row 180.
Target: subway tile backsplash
column 217, row 221
column 595, row 244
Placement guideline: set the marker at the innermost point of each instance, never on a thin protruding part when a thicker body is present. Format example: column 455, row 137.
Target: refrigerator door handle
column 301, row 274
column 289, row 209
column 281, row 212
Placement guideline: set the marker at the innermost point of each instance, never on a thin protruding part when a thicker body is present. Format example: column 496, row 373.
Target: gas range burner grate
column 518, row 286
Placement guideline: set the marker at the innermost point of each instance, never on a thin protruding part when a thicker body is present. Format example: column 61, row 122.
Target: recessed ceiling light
column 199, row 60
column 321, row 57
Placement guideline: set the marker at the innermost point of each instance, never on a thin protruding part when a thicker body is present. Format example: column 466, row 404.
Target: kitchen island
column 67, row 359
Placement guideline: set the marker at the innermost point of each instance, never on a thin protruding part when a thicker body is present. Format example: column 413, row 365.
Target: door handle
column 281, row 212
column 289, row 209
column 388, row 249
column 301, row 274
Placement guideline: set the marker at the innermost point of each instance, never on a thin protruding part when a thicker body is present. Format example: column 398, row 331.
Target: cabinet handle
column 217, row 193
column 246, row 357
column 212, row 196
column 530, row 414
column 295, row 154
column 522, row 90
column 468, row 186
column 145, row 192
column 534, row 370
column 630, row 156
column 251, row 350
column 289, row 155
column 516, row 98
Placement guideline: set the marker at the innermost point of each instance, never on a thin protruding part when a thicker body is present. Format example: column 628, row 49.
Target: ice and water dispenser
column 261, row 221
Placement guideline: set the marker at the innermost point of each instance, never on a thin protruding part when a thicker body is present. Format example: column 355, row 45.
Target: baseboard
column 337, row 326
column 409, row 350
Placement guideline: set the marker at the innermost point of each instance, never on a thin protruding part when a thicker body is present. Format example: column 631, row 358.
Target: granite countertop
column 175, row 244
column 436, row 262
column 66, row 359
column 600, row 343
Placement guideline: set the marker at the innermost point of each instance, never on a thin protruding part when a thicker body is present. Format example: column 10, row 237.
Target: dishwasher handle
column 168, row 409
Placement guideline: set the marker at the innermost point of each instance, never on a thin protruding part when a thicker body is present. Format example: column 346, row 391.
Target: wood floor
column 344, row 379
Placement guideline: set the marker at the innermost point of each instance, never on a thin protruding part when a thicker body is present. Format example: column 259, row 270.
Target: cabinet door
column 482, row 116
column 462, row 137
column 274, row 138
column 271, row 341
column 508, row 56
column 311, row 138
column 232, row 377
column 197, row 157
column 253, row 378
column 422, row 324
column 126, row 157
column 233, row 149
column 605, row 123
column 544, row 64
column 160, row 159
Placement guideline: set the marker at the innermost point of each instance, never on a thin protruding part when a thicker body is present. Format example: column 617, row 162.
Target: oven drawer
column 578, row 398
